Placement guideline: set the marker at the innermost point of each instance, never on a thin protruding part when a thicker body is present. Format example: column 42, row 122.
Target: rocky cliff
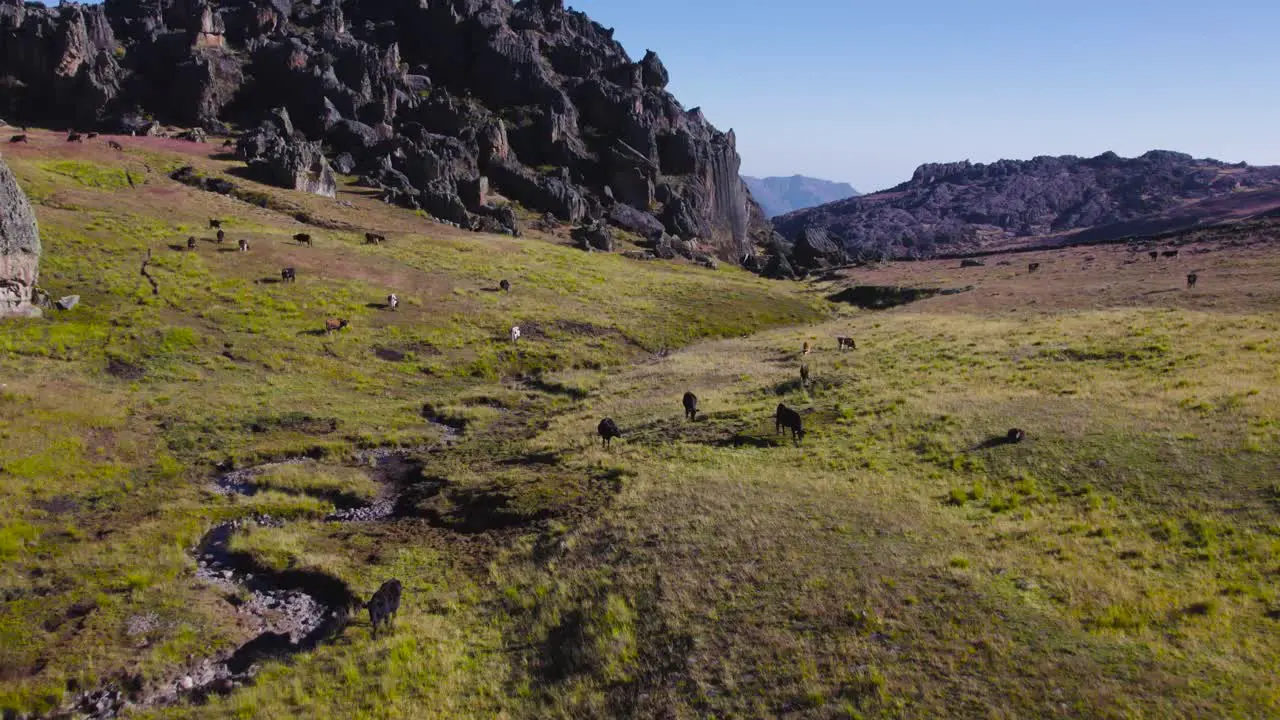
column 965, row 207
column 19, row 249
column 441, row 103
column 781, row 195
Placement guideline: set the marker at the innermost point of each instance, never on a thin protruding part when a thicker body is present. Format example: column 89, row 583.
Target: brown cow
column 303, row 239
column 333, row 324
column 1033, row 267
column 846, row 343
column 1191, row 279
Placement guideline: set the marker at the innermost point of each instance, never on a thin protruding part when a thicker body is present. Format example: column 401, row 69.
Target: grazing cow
column 334, row 324
column 806, row 347
column 114, row 145
column 214, row 223
column 371, row 238
column 91, row 135
column 846, row 343
column 789, row 419
column 505, row 285
column 690, row 406
column 221, row 236
column 191, row 243
column 1191, row 280
column 608, row 430
column 75, row 137
column 384, row 605
column 18, row 139
column 804, row 374
column 244, row 245
column 393, row 302
column 1015, row 435
column 1154, row 255
column 1170, row 253
column 288, row 275
column 1033, row 267
column 515, row 333
column 303, row 239
column 228, row 143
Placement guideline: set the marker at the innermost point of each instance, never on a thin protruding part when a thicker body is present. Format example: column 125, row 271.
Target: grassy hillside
column 1122, row 561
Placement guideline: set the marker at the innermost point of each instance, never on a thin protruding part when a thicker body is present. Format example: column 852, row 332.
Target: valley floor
column 1121, row 561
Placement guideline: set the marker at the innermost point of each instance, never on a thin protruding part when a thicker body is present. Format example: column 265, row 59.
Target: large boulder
column 19, row 249
column 814, row 249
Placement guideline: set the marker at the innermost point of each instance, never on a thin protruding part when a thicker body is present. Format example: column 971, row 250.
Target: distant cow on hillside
column 18, row 139
column 690, row 406
column 384, row 605
column 1154, row 255
column 608, row 430
column 806, row 347
column 333, row 324
column 1015, row 435
column 393, row 301
column 91, row 135
column 221, row 236
column 214, row 223
column 191, row 243
column 372, row 238
column 804, row 375
column 505, row 285
column 846, row 343
column 303, row 239
column 75, row 137
column 1191, row 279
column 243, row 245
column 114, row 145
column 1033, row 267
column 790, row 420
column 1170, row 253
column 515, row 333
column 288, row 275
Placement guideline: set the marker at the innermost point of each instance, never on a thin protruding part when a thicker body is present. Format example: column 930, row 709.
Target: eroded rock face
column 19, row 249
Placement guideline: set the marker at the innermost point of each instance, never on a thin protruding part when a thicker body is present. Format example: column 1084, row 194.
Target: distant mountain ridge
column 780, row 195
column 961, row 207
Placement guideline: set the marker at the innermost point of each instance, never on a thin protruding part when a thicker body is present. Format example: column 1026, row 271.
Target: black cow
column 91, row 135
column 372, row 238
column 114, row 145
column 384, row 605
column 214, row 223
column 75, row 137
column 288, row 275
column 1154, row 255
column 303, row 239
column 191, row 242
column 690, row 406
column 505, row 285
column 789, row 419
column 845, row 342
column 608, row 430
column 18, row 139
column 1033, row 267
column 1170, row 253
column 1191, row 280
column 1014, row 435
column 221, row 236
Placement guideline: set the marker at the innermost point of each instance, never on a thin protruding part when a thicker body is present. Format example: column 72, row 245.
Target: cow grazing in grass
column 790, row 420
column 515, row 333
column 372, row 238
column 114, row 145
column 1154, row 255
column 333, row 324
column 1033, row 267
column 18, row 139
column 384, row 605
column 690, row 406
column 1191, row 279
column 228, row 143
column 1170, row 253
column 505, row 285
column 1015, row 435
column 804, row 374
column 75, row 137
column 303, row 239
column 393, row 302
column 221, row 236
column 91, row 135
column 244, row 245
column 288, row 275
column 191, row 242
column 846, row 343
column 608, row 430
column 806, row 347
column 214, row 223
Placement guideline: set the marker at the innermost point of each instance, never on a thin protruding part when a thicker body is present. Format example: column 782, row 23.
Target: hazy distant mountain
column 779, row 195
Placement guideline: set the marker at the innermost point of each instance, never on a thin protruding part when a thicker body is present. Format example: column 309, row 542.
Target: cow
column 1033, row 267
column 18, row 139
column 91, row 135
column 384, row 605
column 303, row 239
column 1154, row 255
column 1191, row 279
column 74, row 136
column 221, row 236
column 333, row 324
column 804, row 374
column 846, row 343
column 505, row 285
column 114, row 145
column 244, row 245
column 214, row 223
column 790, row 420
column 1015, row 435
column 191, row 242
column 393, row 302
column 228, row 143
column 608, row 430
column 372, row 238
column 288, row 275
column 1170, row 253
column 690, row 406
column 806, row 347
column 515, row 333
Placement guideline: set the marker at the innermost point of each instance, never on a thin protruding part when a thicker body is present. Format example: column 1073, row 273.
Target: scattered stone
column 67, row 302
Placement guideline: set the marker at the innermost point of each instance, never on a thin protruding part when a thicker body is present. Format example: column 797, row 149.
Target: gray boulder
column 19, row 249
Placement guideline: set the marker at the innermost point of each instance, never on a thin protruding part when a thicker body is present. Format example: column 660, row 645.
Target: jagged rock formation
column 964, row 207
column 19, row 249
column 446, row 105
column 781, row 195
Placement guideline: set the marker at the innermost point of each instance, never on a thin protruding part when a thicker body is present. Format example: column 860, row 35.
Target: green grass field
column 1123, row 561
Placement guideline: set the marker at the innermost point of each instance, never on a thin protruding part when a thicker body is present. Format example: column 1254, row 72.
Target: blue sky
column 865, row 91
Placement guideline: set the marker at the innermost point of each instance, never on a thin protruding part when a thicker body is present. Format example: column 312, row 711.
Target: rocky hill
column 965, row 207
column 448, row 105
column 781, row 195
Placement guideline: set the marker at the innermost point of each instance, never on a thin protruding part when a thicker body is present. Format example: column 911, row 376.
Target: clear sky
column 864, row 92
